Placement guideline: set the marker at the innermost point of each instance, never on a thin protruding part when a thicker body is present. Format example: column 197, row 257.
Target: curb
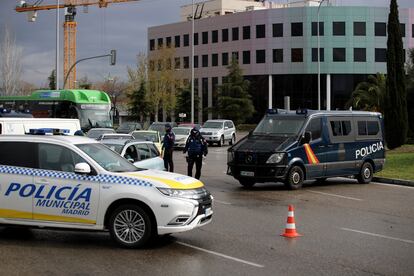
column 393, row 181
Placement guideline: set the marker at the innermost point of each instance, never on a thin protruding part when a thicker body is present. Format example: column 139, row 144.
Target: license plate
column 246, row 173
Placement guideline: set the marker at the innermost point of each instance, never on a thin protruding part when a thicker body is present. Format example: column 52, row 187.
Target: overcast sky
column 120, row 26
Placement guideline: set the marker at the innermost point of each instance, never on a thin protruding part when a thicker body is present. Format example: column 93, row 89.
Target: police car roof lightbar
column 302, row 111
column 272, row 111
column 48, row 131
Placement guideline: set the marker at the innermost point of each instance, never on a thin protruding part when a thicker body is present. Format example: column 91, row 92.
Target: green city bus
column 91, row 107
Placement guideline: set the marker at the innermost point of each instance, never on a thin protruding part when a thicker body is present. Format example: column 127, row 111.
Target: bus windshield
column 95, row 117
column 279, row 126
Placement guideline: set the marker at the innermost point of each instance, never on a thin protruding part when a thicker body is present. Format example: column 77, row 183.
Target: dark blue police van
column 293, row 146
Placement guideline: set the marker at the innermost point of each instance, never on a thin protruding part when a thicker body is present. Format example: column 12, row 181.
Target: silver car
column 219, row 131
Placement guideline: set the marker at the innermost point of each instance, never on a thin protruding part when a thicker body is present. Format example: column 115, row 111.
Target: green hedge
column 246, row 127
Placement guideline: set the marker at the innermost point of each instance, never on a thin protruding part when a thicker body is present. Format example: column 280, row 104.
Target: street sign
column 182, row 115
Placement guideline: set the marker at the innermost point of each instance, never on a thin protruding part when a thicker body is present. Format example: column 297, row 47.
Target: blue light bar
column 48, row 131
column 302, row 111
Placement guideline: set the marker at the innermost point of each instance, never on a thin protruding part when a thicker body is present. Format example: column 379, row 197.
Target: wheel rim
column 367, row 173
column 295, row 177
column 129, row 226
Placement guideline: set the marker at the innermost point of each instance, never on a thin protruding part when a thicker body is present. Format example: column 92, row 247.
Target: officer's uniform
column 196, row 146
column 168, row 148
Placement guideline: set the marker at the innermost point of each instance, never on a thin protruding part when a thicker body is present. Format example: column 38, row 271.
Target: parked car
column 181, row 136
column 115, row 136
column 94, row 133
column 219, row 131
column 160, row 126
column 127, row 127
column 198, row 126
column 143, row 154
column 148, row 135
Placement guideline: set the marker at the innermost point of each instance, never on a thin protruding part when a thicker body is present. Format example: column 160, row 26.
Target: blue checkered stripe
column 106, row 178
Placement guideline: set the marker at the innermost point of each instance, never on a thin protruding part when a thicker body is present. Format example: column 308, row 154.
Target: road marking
column 222, row 202
column 335, row 195
column 393, row 185
column 220, row 255
column 377, row 235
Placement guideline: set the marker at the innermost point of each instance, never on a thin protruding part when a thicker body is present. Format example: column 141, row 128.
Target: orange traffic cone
column 290, row 231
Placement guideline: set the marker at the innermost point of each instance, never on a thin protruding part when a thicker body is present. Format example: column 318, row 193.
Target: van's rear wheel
column 247, row 183
column 130, row 226
column 366, row 173
column 295, row 178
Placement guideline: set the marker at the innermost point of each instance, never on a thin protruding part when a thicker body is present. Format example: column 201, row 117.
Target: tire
column 366, row 173
column 295, row 178
column 221, row 142
column 233, row 140
column 247, row 183
column 124, row 229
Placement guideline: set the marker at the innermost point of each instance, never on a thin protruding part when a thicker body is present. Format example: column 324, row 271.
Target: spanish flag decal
column 312, row 159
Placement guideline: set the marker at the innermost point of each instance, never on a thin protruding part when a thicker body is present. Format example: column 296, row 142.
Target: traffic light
column 113, row 57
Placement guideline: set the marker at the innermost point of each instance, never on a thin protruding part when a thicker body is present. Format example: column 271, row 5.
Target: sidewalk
column 393, row 181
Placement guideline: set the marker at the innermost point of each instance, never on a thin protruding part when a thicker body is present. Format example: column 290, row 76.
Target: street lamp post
column 319, row 58
column 57, row 47
column 192, row 62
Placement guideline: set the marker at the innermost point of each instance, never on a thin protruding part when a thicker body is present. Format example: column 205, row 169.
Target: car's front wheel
column 366, row 173
column 130, row 226
column 221, row 142
column 295, row 178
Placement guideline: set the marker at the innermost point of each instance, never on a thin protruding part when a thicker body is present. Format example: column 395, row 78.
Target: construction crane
column 69, row 27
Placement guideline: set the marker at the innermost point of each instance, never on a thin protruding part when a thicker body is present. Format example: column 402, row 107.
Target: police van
column 293, row 146
column 78, row 183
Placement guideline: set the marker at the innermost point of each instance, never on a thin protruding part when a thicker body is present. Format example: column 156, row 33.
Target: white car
column 181, row 136
column 77, row 183
column 143, row 154
column 219, row 131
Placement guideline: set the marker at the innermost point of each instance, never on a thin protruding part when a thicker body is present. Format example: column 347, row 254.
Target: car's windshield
column 181, row 130
column 115, row 147
column 127, row 127
column 158, row 127
column 279, row 125
column 95, row 133
column 213, row 125
column 117, row 136
column 146, row 136
column 106, row 158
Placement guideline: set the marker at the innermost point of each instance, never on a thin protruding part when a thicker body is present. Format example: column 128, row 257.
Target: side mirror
column 306, row 137
column 226, row 128
column 82, row 168
column 131, row 160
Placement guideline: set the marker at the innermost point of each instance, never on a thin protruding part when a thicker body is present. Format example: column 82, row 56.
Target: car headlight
column 230, row 156
column 188, row 194
column 275, row 158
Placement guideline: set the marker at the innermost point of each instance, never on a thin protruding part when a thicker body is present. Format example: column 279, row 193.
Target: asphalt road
column 347, row 228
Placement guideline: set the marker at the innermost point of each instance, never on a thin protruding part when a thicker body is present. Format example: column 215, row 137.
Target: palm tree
column 369, row 95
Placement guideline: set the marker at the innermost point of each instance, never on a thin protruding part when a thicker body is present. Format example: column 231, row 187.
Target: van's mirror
column 82, row 168
column 226, row 127
column 306, row 137
column 131, row 160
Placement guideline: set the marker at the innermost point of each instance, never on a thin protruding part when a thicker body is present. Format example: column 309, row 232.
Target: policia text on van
column 297, row 146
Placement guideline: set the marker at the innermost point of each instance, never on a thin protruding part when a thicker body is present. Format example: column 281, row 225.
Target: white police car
column 76, row 182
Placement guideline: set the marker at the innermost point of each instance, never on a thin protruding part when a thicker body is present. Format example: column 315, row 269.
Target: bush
column 246, row 127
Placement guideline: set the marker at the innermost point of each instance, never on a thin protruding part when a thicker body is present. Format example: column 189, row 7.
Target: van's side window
column 368, row 128
column 341, row 128
column 19, row 154
column 362, row 128
column 315, row 126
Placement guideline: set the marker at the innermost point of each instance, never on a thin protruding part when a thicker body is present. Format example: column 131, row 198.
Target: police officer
column 168, row 148
column 196, row 146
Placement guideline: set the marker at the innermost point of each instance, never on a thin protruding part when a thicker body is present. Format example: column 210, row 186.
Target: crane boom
column 69, row 27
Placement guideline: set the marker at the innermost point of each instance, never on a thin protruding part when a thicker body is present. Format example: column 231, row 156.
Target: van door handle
column 321, row 146
column 42, row 182
column 329, row 146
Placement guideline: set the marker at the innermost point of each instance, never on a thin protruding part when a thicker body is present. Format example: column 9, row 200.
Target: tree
column 84, row 83
column 234, row 101
column 395, row 110
column 410, row 92
column 369, row 95
column 184, row 101
column 52, row 80
column 10, row 65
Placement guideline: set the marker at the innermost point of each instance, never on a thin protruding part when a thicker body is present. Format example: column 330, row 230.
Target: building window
column 214, row 36
column 278, row 30
column 204, row 60
column 360, row 29
column 246, row 32
column 195, row 39
column 296, row 29
column 315, row 54
column 152, row 44
column 235, row 55
column 168, row 41
column 204, row 37
column 277, row 55
column 225, row 59
column 412, row 30
column 380, row 29
column 246, row 57
column 360, row 54
column 186, row 62
column 214, row 86
column 235, row 33
column 214, row 60
column 160, row 43
column 296, row 55
column 339, row 54
column 338, row 28
column 177, row 63
column 260, row 31
column 195, row 61
column 380, row 55
column 260, row 56
column 321, row 29
column 177, row 41
column 402, row 29
column 186, row 40
column 225, row 35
